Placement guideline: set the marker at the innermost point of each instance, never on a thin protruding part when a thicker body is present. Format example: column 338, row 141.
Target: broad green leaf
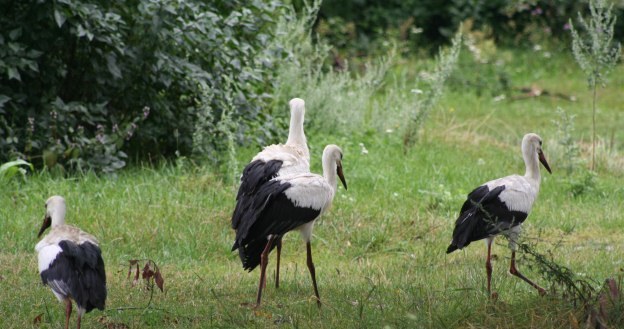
column 12, row 168
column 13, row 73
column 111, row 62
column 4, row 99
column 59, row 18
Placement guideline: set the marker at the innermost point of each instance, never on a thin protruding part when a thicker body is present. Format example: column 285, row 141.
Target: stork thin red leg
column 513, row 270
column 312, row 273
column 488, row 265
column 264, row 260
column 279, row 253
column 79, row 318
column 68, row 310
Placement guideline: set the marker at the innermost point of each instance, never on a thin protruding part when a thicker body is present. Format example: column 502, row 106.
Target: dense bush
column 85, row 83
column 428, row 23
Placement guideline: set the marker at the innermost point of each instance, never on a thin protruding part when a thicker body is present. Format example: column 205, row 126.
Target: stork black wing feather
column 80, row 268
column 271, row 213
column 255, row 174
column 482, row 215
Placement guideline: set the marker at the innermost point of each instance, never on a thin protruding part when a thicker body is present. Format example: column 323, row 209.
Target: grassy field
column 379, row 253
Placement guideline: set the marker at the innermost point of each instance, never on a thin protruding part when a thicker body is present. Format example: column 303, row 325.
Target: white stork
column 70, row 262
column 500, row 206
column 286, row 203
column 273, row 161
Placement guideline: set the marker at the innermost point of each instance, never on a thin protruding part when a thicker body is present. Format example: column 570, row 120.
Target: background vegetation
column 204, row 86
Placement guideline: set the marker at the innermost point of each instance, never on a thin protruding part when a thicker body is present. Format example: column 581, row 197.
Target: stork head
column 297, row 106
column 55, row 213
column 532, row 144
column 332, row 156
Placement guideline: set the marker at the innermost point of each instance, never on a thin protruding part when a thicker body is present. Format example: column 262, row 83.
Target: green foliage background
column 93, row 84
column 84, row 84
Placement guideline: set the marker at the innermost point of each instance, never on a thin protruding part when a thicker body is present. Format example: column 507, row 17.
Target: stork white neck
column 296, row 136
column 331, row 156
column 55, row 208
column 529, row 153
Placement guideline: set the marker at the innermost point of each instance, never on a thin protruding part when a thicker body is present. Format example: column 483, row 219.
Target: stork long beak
column 542, row 159
column 47, row 221
column 341, row 175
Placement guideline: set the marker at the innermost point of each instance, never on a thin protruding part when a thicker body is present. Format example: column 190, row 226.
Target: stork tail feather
column 250, row 253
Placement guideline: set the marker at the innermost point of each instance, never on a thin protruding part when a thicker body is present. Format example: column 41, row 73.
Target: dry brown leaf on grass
column 150, row 271
column 159, row 280
column 37, row 319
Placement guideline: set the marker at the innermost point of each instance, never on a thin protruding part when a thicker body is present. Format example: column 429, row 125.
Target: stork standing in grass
column 70, row 263
column 286, row 203
column 275, row 160
column 500, row 206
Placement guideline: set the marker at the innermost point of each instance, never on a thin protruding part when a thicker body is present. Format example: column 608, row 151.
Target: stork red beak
column 47, row 221
column 341, row 175
column 542, row 159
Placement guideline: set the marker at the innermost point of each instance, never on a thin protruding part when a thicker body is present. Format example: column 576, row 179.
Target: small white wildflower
column 416, row 91
column 363, row 149
column 395, row 194
column 499, row 98
column 389, row 131
column 537, row 47
column 547, row 54
column 480, row 162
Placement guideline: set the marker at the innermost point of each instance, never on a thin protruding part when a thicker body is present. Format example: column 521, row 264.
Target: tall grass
column 337, row 100
column 427, row 98
column 566, row 145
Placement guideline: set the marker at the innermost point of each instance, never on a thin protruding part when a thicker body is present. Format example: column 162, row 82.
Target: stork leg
column 488, row 265
column 68, row 310
column 313, row 273
column 513, row 270
column 79, row 318
column 279, row 253
column 264, row 260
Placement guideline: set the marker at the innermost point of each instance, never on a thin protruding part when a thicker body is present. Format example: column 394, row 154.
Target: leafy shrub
column 584, row 183
column 87, row 84
column 595, row 52
column 430, row 23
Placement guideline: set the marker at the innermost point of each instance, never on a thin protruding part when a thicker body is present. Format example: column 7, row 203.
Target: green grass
column 380, row 251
